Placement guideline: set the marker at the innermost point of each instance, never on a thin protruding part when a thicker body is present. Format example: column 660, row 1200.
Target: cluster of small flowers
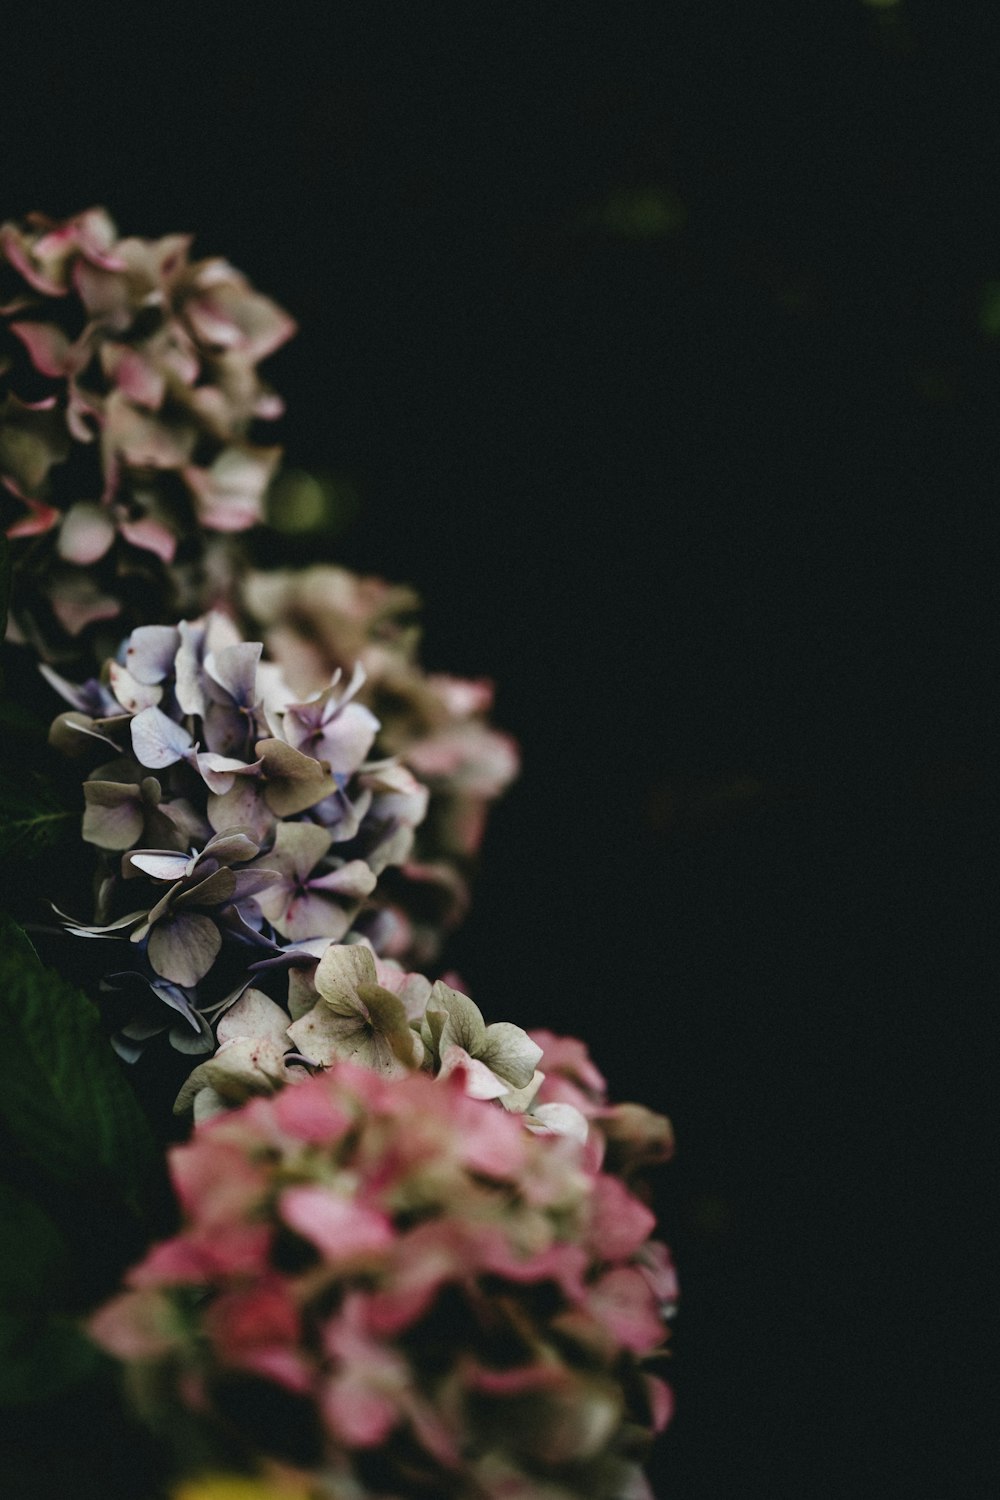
column 128, row 378
column 387, row 1287
column 326, row 619
column 410, row 1227
column 237, row 828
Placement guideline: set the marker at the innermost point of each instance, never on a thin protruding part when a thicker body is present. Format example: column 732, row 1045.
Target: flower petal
column 341, row 1228
column 464, row 1025
column 341, row 969
column 298, row 849
column 510, row 1052
column 354, row 880
column 86, row 533
column 50, row 350
column 184, row 948
column 478, row 1081
column 293, row 782
column 151, row 652
column 234, row 670
column 113, row 818
column 559, row 1119
column 134, row 696
column 161, row 864
column 229, row 496
column 157, row 740
column 215, row 890
column 254, row 1015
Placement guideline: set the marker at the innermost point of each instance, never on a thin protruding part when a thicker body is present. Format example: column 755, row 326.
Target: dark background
column 659, row 348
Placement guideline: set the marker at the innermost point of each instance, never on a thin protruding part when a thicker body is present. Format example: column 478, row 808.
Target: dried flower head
column 128, row 389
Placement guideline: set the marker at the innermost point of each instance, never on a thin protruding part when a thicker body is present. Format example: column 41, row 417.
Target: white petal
column 157, row 740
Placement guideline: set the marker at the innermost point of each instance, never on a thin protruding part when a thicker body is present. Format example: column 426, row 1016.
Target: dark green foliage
column 63, row 1098
column 80, row 1185
column 42, row 1349
column 79, row 1168
column 32, row 817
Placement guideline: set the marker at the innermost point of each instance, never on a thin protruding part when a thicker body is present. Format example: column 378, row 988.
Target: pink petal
column 661, row 1401
column 14, row 246
column 40, row 518
column 310, row 1113
column 49, row 348
column 656, row 1265
column 214, row 1179
column 136, row 378
column 478, row 1081
column 340, row 1228
column 134, row 1325
column 150, row 535
column 356, row 1414
column 229, row 496
column 564, row 1264
column 491, row 1141
column 619, row 1222
column 624, row 1304
column 512, row 1382
column 285, row 1367
column 260, row 1314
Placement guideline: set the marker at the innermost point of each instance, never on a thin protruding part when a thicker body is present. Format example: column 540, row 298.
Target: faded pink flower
column 445, row 1294
column 147, row 367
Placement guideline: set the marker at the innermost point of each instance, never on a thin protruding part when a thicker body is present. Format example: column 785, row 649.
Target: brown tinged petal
column 114, row 816
column 184, row 947
column 33, row 438
column 229, row 496
column 637, row 1137
column 293, row 782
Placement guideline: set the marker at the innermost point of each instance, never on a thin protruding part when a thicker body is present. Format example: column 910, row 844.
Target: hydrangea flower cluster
column 326, row 618
column 413, row 1259
column 128, row 386
column 234, row 824
column 390, row 1287
column 350, row 1005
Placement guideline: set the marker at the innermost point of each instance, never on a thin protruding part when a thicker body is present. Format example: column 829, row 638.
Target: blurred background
column 659, row 347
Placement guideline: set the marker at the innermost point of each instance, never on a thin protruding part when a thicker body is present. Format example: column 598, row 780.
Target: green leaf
column 41, row 1354
column 42, row 1350
column 32, row 1250
column 32, row 817
column 63, row 1099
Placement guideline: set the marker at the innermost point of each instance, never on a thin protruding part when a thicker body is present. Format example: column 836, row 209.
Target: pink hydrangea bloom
column 128, row 392
column 439, row 1293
